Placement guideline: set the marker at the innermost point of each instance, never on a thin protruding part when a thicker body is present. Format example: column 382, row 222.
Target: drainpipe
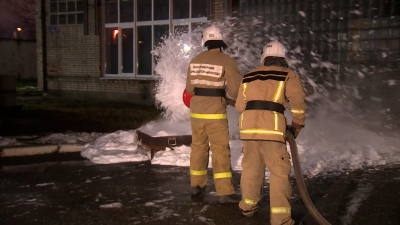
column 171, row 14
column 44, row 44
column 225, row 8
column 102, row 38
column 85, row 17
column 96, row 17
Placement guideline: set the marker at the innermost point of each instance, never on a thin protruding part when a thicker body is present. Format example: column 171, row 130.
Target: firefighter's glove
column 294, row 129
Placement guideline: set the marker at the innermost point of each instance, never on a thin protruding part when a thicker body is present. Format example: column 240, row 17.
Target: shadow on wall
column 18, row 58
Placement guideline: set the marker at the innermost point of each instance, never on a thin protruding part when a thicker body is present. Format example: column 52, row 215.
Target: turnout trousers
column 211, row 134
column 274, row 156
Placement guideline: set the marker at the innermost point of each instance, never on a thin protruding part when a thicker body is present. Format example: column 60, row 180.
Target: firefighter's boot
column 229, row 199
column 249, row 213
column 197, row 191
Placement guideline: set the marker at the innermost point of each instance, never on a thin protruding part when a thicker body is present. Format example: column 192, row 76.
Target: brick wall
column 217, row 9
column 74, row 63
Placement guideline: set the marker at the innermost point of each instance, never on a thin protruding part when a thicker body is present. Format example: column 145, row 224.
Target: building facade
column 100, row 49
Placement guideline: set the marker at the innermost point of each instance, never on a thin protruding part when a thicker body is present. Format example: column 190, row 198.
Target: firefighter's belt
column 265, row 105
column 210, row 92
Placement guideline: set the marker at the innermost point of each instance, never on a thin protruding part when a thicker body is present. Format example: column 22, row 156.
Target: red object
column 186, row 98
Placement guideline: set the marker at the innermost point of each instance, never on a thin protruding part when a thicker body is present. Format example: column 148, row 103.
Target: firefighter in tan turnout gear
column 263, row 96
column 213, row 78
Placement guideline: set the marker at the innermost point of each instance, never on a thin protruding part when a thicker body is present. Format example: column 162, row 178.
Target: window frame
column 135, row 24
column 66, row 13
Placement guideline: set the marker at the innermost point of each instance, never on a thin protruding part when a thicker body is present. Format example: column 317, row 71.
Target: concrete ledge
column 70, row 148
column 38, row 159
column 28, row 150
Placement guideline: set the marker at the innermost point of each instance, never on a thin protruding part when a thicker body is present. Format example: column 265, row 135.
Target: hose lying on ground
column 300, row 182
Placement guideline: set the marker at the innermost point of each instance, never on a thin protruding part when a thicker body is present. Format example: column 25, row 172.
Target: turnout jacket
column 274, row 84
column 216, row 70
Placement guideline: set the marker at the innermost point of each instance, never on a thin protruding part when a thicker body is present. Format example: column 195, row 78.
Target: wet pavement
column 79, row 192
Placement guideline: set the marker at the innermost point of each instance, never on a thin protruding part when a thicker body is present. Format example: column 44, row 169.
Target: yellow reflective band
column 261, row 131
column 208, row 116
column 297, row 111
column 198, row 172
column 278, row 91
column 207, row 82
column 244, row 90
column 241, row 120
column 222, row 175
column 278, row 210
column 276, row 121
column 249, row 202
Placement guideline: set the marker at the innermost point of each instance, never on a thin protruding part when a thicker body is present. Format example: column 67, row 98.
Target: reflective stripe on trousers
column 222, row 175
column 198, row 172
column 208, row 116
column 279, row 210
column 249, row 201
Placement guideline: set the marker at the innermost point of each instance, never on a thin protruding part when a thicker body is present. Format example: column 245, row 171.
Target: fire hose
column 300, row 182
column 296, row 165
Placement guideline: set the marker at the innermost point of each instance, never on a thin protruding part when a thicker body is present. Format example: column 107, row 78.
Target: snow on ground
column 5, row 141
column 361, row 193
column 325, row 146
column 120, row 146
column 111, row 205
column 68, row 138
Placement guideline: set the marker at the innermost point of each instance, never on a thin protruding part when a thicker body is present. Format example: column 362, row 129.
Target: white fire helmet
column 211, row 33
column 273, row 48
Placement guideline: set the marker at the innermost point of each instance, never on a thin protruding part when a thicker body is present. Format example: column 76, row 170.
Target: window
column 144, row 12
column 385, row 8
column 395, row 44
column 126, row 11
column 396, row 8
column 128, row 43
column 384, row 45
column 384, row 33
column 111, row 60
column 127, row 50
column 395, row 32
column 144, row 48
column 64, row 12
column 181, row 29
column 160, row 31
column 181, row 9
column 199, row 8
column 161, row 9
column 111, row 13
column 364, row 34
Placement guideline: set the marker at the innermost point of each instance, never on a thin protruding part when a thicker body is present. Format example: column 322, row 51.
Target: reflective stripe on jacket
column 275, row 84
column 212, row 69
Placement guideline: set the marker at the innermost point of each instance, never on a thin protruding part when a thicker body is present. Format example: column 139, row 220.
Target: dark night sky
column 12, row 16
